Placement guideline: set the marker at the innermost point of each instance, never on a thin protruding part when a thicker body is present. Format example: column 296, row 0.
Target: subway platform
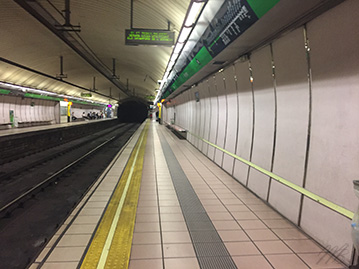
column 163, row 204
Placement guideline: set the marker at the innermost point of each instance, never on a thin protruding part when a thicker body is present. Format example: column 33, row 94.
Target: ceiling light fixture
column 178, row 48
column 10, row 86
column 195, row 9
column 193, row 13
column 184, row 34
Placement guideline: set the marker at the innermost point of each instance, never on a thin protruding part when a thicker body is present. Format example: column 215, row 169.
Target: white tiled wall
column 264, row 105
column 245, row 121
column 274, row 121
column 207, row 124
column 232, row 117
column 222, row 117
column 41, row 110
column 213, row 130
column 292, row 120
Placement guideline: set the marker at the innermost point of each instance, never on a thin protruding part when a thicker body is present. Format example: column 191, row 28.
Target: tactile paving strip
column 210, row 249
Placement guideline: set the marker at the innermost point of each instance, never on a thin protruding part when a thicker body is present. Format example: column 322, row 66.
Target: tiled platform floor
column 254, row 234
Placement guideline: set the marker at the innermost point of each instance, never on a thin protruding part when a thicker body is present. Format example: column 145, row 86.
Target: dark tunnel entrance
column 132, row 111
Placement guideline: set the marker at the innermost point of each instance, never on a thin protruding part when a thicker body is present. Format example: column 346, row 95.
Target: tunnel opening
column 132, row 111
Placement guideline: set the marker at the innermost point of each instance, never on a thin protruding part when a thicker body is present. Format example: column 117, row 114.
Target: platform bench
column 33, row 123
column 178, row 131
column 5, row 126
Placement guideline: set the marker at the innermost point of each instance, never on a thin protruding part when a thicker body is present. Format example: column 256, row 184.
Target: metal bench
column 180, row 132
column 5, row 126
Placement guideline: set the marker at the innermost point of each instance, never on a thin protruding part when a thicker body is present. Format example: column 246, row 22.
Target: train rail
column 52, row 196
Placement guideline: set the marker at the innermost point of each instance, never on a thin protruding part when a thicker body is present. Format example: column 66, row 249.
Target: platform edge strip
column 120, row 251
column 95, row 250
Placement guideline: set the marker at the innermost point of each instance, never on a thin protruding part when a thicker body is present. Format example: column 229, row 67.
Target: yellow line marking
column 98, row 253
column 120, row 250
column 337, row 208
column 107, row 246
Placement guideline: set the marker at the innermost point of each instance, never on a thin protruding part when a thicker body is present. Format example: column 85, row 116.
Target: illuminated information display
column 136, row 37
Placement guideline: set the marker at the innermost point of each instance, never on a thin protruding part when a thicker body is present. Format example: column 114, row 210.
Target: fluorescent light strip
column 193, row 14
column 184, row 34
column 178, row 48
column 186, row 29
column 42, row 92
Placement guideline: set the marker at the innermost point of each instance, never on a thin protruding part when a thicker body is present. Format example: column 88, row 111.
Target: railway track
column 35, row 201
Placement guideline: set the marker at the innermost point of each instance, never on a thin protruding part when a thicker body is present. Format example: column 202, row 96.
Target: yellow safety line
column 125, row 197
column 341, row 210
column 119, row 255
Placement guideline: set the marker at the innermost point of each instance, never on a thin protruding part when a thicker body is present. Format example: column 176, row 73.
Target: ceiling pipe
column 131, row 23
column 67, row 13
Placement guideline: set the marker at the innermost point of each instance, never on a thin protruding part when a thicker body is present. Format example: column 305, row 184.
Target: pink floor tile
column 147, row 210
column 226, row 225
column 146, row 238
column 321, row 260
column 244, row 216
column 206, row 196
column 254, row 201
column 175, row 237
column 203, row 190
column 147, row 218
column 170, row 209
column 272, row 247
column 241, row 248
column 215, row 208
column 286, row 261
column 289, row 234
column 231, row 202
column 178, row 250
column 164, row 203
column 211, row 202
column 261, row 235
column 227, row 196
column 163, row 197
column 233, row 236
column 66, row 254
column 146, row 252
column 251, row 262
column 182, row 263
column 147, row 198
column 172, row 217
column 268, row 215
column 148, row 203
column 223, row 190
column 304, row 246
column 174, row 226
column 147, row 227
column 252, row 224
column 237, row 208
column 165, row 188
column 220, row 216
column 276, row 223
column 167, row 192
column 145, row 264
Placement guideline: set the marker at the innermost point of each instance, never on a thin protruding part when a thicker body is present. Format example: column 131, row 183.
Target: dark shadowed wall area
column 132, row 111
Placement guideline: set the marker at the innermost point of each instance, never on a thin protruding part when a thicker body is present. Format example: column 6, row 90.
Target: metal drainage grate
column 210, row 249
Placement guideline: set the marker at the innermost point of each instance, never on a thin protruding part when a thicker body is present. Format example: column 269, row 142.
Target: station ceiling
column 33, row 40
column 27, row 42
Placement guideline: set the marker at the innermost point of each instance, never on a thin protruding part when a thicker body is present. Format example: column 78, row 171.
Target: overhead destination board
column 154, row 37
